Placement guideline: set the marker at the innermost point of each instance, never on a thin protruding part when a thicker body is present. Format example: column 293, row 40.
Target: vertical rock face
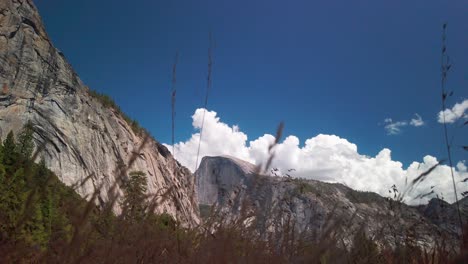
column 444, row 214
column 311, row 205
column 78, row 136
column 218, row 175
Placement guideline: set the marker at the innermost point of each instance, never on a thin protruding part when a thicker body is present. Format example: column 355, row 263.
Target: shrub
column 108, row 102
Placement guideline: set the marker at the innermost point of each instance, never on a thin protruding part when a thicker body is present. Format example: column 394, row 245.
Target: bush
column 362, row 197
column 108, row 102
column 303, row 187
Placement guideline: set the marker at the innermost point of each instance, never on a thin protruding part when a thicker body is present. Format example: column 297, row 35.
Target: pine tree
column 45, row 200
column 9, row 152
column 2, row 167
column 33, row 231
column 1, row 153
column 41, row 174
column 3, row 188
column 25, row 143
column 31, row 197
column 134, row 203
column 12, row 200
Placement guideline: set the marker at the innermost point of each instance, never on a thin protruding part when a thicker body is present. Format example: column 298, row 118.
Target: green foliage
column 33, row 229
column 32, row 198
column 25, row 144
column 10, row 155
column 41, row 174
column 134, row 203
column 108, row 102
column 105, row 100
column 205, row 210
column 12, row 200
column 162, row 221
column 362, row 197
column 1, row 152
column 302, row 187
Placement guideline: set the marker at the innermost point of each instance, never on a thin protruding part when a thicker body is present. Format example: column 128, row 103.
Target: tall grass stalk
column 173, row 99
column 445, row 67
column 208, row 88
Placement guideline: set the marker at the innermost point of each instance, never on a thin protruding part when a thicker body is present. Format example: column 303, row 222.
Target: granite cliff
column 76, row 134
column 231, row 184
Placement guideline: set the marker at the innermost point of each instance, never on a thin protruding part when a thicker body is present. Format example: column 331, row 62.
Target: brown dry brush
column 102, row 237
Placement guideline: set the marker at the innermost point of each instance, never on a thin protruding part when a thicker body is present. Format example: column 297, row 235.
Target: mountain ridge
column 310, row 204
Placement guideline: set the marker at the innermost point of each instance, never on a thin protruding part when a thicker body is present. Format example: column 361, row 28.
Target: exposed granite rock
column 231, row 184
column 444, row 214
column 220, row 175
column 80, row 137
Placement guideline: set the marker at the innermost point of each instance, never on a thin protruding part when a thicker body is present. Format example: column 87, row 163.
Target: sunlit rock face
column 218, row 176
column 77, row 135
column 313, row 206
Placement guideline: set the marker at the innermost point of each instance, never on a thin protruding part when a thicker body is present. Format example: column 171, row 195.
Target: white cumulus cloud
column 456, row 112
column 322, row 157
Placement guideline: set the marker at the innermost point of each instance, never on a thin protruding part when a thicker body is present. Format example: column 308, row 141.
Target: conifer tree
column 41, row 174
column 134, row 202
column 12, row 200
column 9, row 151
column 33, row 231
column 25, row 144
column 1, row 152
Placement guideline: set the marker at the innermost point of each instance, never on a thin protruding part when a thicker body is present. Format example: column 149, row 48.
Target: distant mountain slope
column 311, row 205
column 444, row 214
column 81, row 133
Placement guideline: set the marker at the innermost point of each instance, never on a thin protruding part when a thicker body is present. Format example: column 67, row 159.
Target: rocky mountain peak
column 311, row 205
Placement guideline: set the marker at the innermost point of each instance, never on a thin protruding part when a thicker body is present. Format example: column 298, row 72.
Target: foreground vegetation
column 44, row 221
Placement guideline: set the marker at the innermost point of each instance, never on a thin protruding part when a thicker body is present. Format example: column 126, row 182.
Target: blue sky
column 330, row 67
